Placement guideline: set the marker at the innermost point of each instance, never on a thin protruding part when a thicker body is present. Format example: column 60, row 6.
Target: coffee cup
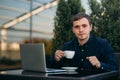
column 69, row 54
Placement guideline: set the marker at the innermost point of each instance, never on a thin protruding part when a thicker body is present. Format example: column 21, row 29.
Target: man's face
column 82, row 29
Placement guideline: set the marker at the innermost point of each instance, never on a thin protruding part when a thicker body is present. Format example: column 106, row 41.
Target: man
column 91, row 52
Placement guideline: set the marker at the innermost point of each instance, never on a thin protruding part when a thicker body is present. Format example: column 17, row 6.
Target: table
column 81, row 75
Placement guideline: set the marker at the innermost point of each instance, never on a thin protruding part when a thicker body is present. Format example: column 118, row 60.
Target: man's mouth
column 80, row 34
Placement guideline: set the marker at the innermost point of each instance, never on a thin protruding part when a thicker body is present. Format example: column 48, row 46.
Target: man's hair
column 80, row 16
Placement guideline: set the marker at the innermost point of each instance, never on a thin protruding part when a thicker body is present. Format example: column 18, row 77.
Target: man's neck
column 83, row 41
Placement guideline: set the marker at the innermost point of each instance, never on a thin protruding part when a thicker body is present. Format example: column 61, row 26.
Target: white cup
column 69, row 54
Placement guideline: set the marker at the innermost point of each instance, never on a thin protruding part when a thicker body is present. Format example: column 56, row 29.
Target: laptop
column 33, row 58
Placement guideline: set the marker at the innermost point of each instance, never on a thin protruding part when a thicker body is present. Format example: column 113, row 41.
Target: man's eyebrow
column 84, row 24
column 76, row 26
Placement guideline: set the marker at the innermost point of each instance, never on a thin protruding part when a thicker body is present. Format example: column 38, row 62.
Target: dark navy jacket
column 94, row 47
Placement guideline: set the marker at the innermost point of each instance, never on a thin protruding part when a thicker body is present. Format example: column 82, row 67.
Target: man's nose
column 80, row 29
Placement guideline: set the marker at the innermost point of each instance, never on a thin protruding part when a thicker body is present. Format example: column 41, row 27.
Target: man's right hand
column 58, row 55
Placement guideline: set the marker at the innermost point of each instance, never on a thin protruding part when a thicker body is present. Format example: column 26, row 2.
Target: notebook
column 33, row 58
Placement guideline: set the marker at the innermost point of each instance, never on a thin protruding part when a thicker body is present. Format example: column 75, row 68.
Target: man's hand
column 58, row 55
column 94, row 61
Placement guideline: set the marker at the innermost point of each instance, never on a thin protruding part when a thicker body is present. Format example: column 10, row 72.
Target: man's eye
column 84, row 25
column 76, row 26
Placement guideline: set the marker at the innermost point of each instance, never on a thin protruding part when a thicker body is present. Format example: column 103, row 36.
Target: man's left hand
column 94, row 61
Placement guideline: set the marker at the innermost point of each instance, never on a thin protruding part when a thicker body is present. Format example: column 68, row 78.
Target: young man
column 91, row 52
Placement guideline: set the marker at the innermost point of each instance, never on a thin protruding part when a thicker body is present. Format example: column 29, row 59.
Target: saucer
column 70, row 68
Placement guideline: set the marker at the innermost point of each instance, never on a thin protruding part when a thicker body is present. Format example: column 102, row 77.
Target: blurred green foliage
column 106, row 21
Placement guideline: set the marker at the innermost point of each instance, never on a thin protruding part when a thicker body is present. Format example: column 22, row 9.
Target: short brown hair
column 80, row 16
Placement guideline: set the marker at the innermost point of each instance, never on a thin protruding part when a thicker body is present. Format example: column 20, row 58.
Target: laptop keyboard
column 51, row 69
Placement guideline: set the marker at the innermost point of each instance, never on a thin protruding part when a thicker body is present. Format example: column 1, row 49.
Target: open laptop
column 33, row 58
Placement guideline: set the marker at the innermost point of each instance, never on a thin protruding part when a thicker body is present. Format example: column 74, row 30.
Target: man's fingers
column 94, row 61
column 58, row 55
